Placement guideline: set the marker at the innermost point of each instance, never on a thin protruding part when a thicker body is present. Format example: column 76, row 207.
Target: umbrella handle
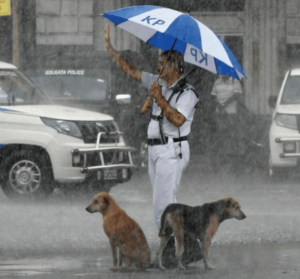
column 145, row 106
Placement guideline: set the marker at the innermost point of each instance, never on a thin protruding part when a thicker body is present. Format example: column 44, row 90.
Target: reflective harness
column 178, row 88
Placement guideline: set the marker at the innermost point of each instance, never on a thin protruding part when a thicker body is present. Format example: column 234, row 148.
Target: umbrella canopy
column 166, row 28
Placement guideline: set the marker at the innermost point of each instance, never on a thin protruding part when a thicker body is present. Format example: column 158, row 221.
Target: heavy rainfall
column 71, row 127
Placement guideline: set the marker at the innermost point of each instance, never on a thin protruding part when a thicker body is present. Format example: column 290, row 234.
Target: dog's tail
column 163, row 220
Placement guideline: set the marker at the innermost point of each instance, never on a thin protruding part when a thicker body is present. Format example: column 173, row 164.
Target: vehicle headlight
column 286, row 120
column 64, row 127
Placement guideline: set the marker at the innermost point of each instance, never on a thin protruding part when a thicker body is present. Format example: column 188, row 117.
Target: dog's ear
column 105, row 200
column 228, row 202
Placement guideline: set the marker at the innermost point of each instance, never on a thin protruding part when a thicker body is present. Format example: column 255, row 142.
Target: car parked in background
column 44, row 145
column 285, row 129
column 96, row 84
column 74, row 86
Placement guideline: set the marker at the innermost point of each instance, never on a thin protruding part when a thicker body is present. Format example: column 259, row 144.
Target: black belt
column 158, row 141
column 156, row 117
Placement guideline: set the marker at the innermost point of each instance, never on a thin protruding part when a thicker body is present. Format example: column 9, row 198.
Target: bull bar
column 288, row 155
column 85, row 151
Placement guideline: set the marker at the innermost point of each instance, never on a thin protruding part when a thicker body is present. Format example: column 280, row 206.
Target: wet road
column 231, row 261
column 59, row 239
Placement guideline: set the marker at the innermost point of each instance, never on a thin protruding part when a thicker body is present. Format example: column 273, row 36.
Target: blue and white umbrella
column 164, row 28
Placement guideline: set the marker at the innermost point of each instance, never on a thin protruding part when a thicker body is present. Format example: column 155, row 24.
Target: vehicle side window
column 14, row 90
column 5, row 89
column 291, row 94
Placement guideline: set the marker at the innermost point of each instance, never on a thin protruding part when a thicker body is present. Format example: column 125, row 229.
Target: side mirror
column 272, row 101
column 123, row 99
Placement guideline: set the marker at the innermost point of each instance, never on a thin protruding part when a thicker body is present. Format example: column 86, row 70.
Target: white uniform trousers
column 165, row 170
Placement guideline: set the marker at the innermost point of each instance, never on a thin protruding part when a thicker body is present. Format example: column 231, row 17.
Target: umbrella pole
column 148, row 100
column 191, row 72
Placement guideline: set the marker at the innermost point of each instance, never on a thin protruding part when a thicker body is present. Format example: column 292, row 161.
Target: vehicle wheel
column 27, row 176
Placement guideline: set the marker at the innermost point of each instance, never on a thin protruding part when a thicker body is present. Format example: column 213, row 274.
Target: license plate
column 110, row 175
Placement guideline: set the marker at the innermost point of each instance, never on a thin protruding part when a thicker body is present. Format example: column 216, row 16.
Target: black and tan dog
column 199, row 222
column 123, row 233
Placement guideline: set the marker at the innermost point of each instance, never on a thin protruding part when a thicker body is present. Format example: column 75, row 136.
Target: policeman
column 172, row 116
column 227, row 91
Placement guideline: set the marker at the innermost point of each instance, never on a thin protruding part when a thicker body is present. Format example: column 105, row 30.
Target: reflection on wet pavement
column 231, row 261
column 51, row 265
column 289, row 258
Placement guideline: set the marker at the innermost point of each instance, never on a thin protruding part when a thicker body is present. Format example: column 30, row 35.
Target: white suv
column 43, row 145
column 285, row 129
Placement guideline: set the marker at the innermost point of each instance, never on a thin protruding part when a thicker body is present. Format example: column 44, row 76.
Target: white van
column 43, row 145
column 285, row 129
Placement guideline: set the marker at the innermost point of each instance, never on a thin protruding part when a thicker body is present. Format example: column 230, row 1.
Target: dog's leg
column 128, row 265
column 120, row 257
column 179, row 235
column 176, row 223
column 204, row 250
column 127, row 256
column 128, row 261
column 207, row 244
column 163, row 243
column 114, row 252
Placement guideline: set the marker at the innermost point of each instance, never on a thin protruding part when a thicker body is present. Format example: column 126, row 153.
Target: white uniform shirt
column 185, row 105
column 225, row 90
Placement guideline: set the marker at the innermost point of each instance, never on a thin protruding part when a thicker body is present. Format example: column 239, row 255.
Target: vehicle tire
column 27, row 176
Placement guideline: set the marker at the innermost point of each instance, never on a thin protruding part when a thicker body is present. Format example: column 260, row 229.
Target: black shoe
column 191, row 254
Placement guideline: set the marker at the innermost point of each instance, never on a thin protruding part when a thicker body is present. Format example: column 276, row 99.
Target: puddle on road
column 289, row 258
column 33, row 266
column 273, row 259
column 231, row 261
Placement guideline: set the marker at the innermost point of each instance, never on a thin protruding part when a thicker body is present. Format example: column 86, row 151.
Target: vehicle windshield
column 66, row 84
column 291, row 93
column 16, row 89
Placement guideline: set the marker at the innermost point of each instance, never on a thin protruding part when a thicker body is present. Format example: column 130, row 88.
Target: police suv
column 43, row 145
column 285, row 129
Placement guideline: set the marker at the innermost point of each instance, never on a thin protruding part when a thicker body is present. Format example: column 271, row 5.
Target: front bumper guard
column 288, row 155
column 103, row 165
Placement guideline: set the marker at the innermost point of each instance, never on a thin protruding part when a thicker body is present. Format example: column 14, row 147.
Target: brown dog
column 123, row 233
column 199, row 222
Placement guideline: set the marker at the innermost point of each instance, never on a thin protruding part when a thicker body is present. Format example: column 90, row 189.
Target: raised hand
column 107, row 42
